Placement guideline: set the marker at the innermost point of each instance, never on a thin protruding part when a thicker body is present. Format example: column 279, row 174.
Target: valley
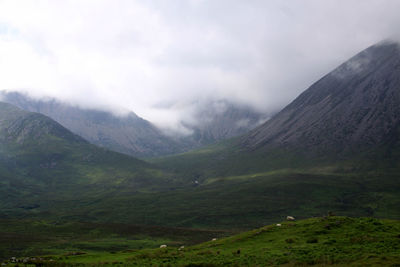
column 333, row 151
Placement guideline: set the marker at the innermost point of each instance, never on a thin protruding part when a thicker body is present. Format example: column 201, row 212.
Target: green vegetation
column 28, row 237
column 248, row 202
column 43, row 165
column 339, row 241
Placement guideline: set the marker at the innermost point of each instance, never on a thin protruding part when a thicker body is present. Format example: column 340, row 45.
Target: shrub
column 312, row 240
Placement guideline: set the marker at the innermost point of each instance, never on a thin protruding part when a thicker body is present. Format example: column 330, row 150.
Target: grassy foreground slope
column 22, row 237
column 339, row 241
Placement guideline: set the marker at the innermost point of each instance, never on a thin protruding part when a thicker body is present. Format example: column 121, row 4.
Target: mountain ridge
column 351, row 108
column 135, row 136
column 128, row 134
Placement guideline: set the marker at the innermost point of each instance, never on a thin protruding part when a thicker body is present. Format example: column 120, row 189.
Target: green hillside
column 245, row 202
column 42, row 164
column 338, row 241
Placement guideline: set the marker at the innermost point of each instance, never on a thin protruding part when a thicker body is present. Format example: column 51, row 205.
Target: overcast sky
column 159, row 57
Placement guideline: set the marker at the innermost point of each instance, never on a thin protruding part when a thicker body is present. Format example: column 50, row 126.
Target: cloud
column 159, row 57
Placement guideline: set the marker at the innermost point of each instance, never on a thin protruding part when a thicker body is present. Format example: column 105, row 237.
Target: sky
column 164, row 59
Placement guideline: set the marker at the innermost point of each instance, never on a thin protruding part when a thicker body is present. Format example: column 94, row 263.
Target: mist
column 158, row 58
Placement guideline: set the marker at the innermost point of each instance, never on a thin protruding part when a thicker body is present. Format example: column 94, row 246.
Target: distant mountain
column 220, row 120
column 128, row 134
column 135, row 136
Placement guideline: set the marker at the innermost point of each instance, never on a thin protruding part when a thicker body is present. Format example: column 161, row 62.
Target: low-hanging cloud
column 159, row 57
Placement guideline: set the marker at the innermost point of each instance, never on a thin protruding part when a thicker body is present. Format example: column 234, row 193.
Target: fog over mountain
column 132, row 135
column 157, row 58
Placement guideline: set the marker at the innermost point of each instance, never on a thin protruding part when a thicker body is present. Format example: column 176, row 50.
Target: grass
column 29, row 237
column 244, row 202
column 339, row 241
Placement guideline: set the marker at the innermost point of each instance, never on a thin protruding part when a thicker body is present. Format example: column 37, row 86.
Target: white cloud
column 144, row 55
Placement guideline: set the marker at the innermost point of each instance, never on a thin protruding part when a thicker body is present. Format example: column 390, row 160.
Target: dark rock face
column 354, row 108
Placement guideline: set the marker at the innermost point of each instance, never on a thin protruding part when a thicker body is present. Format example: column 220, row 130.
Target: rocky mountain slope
column 353, row 109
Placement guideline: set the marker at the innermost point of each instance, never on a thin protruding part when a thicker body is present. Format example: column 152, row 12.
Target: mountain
column 137, row 137
column 220, row 120
column 351, row 110
column 127, row 134
column 347, row 119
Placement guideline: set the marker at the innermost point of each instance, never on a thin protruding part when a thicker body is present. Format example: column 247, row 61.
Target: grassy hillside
column 241, row 202
column 43, row 164
column 40, row 237
column 229, row 158
column 339, row 241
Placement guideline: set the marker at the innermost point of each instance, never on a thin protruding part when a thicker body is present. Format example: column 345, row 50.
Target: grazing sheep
column 181, row 247
column 290, row 218
column 214, row 239
column 278, row 224
column 163, row 246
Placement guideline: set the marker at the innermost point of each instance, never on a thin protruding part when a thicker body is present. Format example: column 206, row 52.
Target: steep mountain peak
column 353, row 108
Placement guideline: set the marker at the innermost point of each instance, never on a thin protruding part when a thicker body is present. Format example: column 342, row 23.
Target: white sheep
column 278, row 224
column 290, row 218
column 163, row 246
